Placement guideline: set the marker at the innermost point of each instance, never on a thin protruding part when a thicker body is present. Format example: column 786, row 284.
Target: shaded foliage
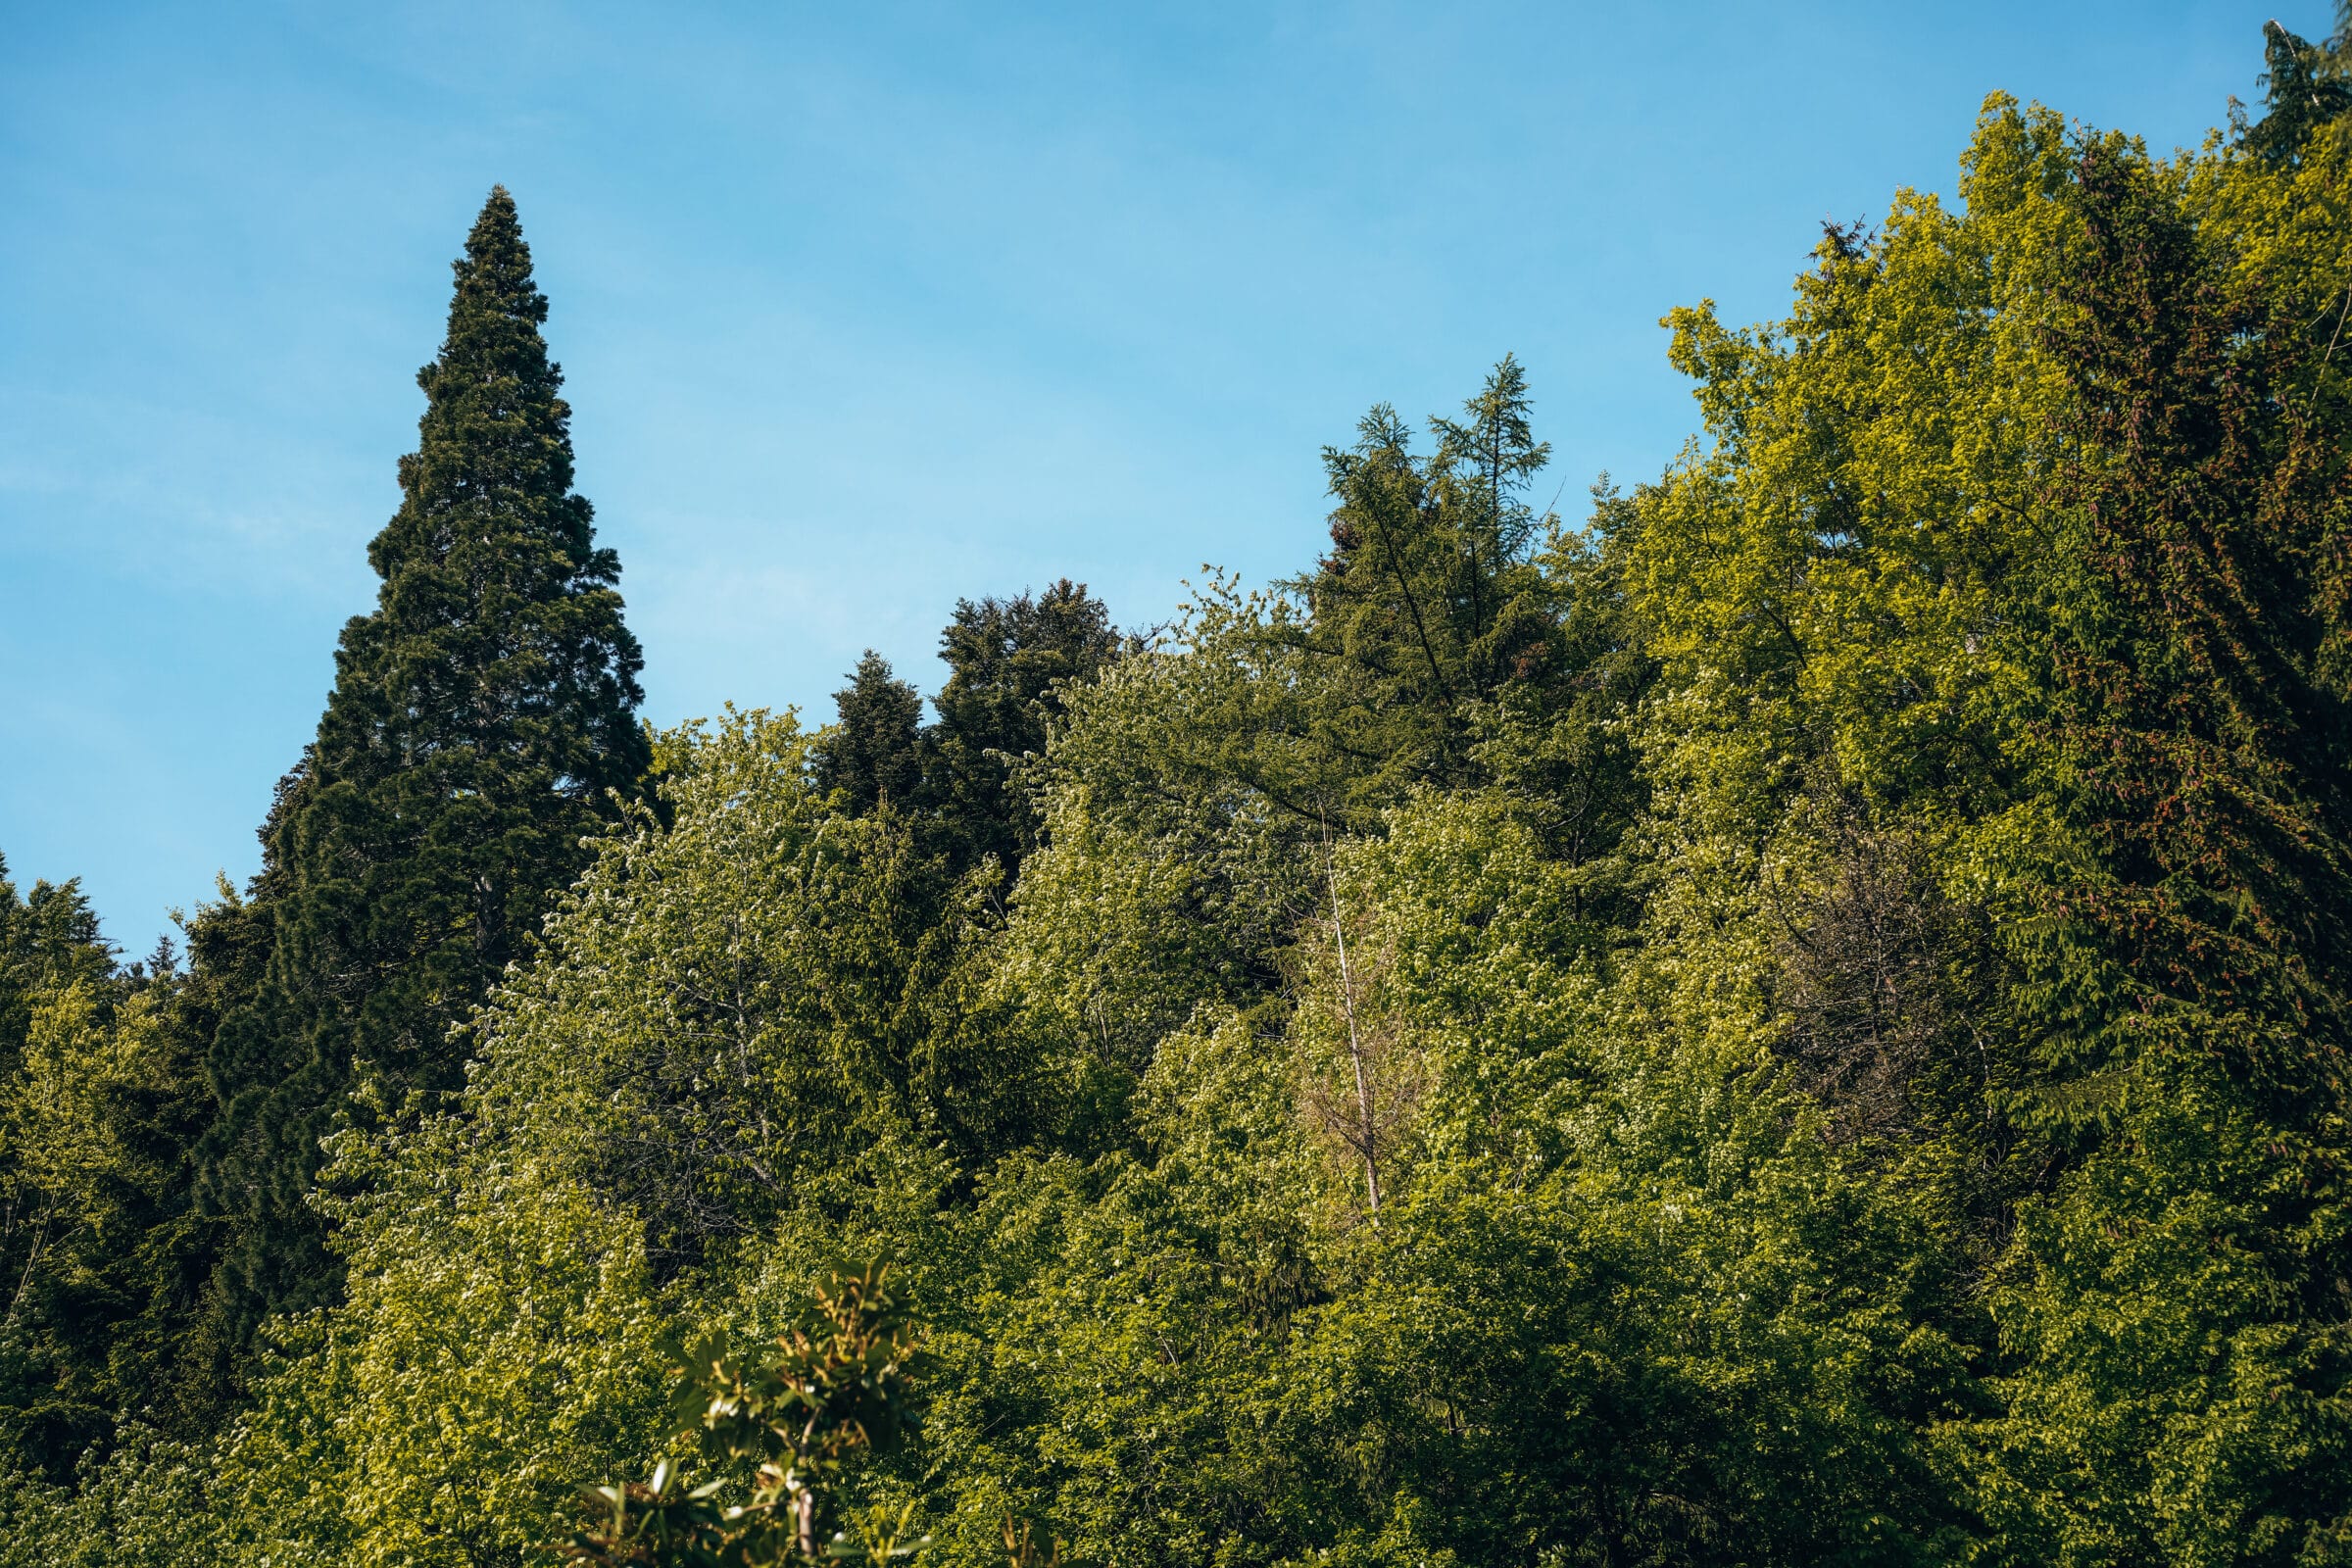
column 479, row 718
column 1799, row 1020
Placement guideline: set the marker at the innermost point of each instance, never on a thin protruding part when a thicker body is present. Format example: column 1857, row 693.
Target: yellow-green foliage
column 497, row 1349
column 1802, row 1021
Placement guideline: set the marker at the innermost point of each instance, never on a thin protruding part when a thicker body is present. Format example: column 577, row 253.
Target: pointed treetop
column 495, row 423
column 495, row 272
column 870, row 755
column 2304, row 88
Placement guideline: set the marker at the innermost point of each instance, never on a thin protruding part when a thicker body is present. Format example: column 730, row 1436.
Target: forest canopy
column 1798, row 1014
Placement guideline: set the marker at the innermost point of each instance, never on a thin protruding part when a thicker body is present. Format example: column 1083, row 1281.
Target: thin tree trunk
column 1355, row 1050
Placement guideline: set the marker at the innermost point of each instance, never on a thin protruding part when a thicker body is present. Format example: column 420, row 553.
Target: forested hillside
column 1797, row 1014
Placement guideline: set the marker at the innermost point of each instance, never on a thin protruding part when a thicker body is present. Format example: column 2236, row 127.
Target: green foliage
column 140, row 1505
column 101, row 1103
column 873, row 754
column 2304, row 89
column 1428, row 601
column 481, row 718
column 2001, row 626
column 803, row 1407
column 1010, row 662
column 1804, row 1021
column 732, row 1007
column 2183, row 1383
column 499, row 1341
column 48, row 939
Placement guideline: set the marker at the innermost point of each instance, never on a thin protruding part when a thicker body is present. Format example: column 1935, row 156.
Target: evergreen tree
column 101, row 1101
column 50, row 949
column 1428, row 601
column 1484, row 462
column 1552, row 735
column 2180, row 1300
column 1806, row 1021
column 48, row 936
column 1005, row 658
column 873, row 754
column 479, row 718
column 2303, row 88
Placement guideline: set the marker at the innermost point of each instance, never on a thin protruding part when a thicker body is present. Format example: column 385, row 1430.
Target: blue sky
column 865, row 306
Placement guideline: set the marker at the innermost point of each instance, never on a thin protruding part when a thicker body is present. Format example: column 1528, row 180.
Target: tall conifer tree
column 1429, row 599
column 955, row 778
column 872, row 754
column 1004, row 656
column 2304, row 88
column 479, row 718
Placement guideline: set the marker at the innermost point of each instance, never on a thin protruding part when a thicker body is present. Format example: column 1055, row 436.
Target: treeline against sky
column 1799, row 1015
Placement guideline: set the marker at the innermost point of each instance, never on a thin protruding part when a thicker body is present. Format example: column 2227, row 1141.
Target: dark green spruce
column 873, row 756
column 1006, row 659
column 479, row 718
column 953, row 778
column 2303, row 88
